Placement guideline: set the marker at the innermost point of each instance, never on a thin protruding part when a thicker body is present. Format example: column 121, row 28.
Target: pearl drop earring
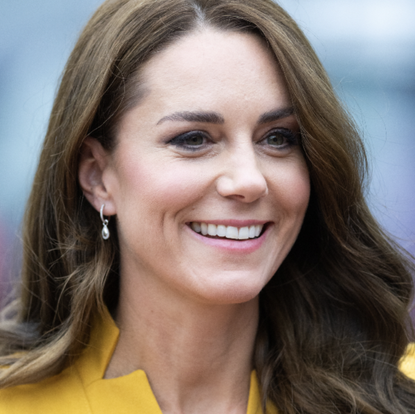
column 105, row 231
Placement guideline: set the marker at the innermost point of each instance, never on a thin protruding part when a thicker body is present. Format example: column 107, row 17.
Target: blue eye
column 191, row 141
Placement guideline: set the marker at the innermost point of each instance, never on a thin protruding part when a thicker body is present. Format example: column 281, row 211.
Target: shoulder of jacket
column 407, row 363
column 61, row 394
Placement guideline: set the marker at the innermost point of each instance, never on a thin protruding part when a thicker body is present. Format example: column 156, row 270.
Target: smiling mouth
column 228, row 232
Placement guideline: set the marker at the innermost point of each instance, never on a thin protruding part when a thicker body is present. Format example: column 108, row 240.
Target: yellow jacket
column 81, row 388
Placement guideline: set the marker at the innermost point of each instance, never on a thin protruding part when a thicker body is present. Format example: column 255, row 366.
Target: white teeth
column 230, row 232
column 196, row 227
column 221, row 231
column 243, row 233
column 258, row 230
column 212, row 229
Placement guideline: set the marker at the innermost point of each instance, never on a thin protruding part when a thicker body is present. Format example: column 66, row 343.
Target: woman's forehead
column 210, row 64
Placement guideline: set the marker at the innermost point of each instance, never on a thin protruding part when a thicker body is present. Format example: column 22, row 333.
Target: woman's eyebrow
column 197, row 116
column 216, row 118
column 275, row 115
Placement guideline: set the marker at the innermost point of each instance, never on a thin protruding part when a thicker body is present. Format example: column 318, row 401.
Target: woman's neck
column 197, row 356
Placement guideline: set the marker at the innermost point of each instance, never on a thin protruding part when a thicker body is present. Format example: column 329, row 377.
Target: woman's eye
column 281, row 138
column 192, row 141
column 276, row 140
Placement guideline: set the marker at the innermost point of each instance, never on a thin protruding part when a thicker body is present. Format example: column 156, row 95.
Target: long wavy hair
column 333, row 319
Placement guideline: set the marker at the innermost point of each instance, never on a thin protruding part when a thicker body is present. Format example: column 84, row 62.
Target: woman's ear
column 93, row 161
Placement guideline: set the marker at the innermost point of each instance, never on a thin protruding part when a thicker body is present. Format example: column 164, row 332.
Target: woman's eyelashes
column 191, row 141
column 280, row 139
column 277, row 139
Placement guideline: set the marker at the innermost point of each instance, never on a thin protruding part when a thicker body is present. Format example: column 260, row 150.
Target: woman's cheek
column 292, row 184
column 165, row 182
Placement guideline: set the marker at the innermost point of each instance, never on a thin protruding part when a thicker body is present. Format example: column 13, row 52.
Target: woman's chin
column 231, row 291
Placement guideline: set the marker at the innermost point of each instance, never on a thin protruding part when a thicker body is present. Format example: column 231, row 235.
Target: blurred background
column 367, row 47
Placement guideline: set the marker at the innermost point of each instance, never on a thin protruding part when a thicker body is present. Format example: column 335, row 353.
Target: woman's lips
column 243, row 245
column 228, row 232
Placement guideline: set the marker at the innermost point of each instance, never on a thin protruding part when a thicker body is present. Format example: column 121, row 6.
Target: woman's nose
column 241, row 178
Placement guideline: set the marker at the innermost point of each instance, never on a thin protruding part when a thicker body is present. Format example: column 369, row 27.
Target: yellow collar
column 130, row 393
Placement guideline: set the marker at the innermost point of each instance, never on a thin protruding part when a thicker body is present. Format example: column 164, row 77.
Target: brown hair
column 334, row 318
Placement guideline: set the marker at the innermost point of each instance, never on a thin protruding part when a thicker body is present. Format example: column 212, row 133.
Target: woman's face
column 212, row 146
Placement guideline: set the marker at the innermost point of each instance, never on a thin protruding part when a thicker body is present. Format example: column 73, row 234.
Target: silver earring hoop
column 105, row 231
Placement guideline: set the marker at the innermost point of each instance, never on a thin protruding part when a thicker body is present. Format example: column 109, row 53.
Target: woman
column 197, row 238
